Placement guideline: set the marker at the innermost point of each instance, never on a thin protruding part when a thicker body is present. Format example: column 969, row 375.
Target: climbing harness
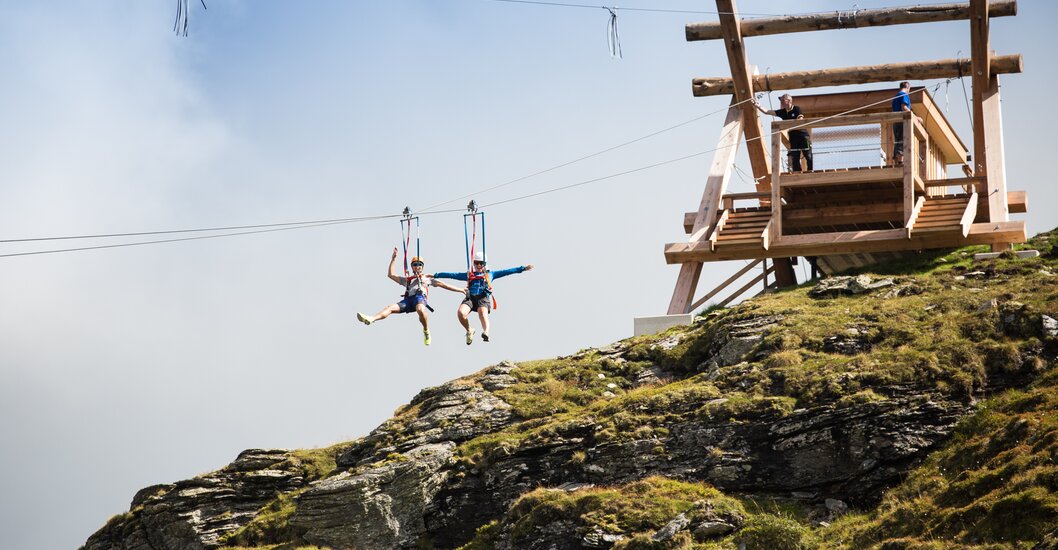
column 405, row 239
column 470, row 234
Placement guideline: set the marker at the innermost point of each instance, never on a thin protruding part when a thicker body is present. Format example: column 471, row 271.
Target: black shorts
column 479, row 301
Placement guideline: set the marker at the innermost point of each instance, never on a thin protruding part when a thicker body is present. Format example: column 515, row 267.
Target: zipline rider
column 416, row 288
column 479, row 293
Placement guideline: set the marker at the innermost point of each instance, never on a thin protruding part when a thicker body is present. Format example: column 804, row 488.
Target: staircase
column 947, row 213
column 741, row 227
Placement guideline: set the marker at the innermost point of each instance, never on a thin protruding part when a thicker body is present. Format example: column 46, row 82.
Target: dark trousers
column 800, row 146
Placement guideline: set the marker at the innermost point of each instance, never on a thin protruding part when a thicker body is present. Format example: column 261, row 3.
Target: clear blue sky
column 128, row 367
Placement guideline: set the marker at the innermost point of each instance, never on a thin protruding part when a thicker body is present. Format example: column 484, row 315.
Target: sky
column 126, row 367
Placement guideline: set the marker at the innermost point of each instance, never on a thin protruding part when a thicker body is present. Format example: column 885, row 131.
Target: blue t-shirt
column 902, row 98
column 477, row 285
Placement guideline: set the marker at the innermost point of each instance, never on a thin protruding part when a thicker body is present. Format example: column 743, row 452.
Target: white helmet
column 479, row 257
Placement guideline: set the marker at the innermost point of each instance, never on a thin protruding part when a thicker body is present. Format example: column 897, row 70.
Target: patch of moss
column 639, row 507
column 271, row 525
column 776, row 532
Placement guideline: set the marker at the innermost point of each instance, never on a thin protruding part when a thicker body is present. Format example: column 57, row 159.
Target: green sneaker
column 470, row 336
column 363, row 318
column 426, row 337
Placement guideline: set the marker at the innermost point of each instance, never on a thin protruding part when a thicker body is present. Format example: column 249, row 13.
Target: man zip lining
column 416, row 284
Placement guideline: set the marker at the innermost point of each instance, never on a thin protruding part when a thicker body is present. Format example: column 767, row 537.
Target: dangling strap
column 405, row 241
column 473, row 245
column 483, row 253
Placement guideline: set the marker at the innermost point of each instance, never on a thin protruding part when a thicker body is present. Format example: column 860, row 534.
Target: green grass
column 639, row 507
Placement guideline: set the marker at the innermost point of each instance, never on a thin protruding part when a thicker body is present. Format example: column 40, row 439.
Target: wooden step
column 739, row 242
column 927, row 225
column 743, row 237
column 944, row 202
column 953, row 206
column 756, row 232
column 942, row 213
column 746, row 223
column 938, row 229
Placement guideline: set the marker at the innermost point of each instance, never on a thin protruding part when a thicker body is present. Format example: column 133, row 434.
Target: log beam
column 849, row 20
column 742, row 89
column 890, row 72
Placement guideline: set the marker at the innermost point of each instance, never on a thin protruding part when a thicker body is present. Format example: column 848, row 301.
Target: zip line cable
column 288, row 227
column 586, row 157
column 138, row 243
column 429, row 210
column 171, row 231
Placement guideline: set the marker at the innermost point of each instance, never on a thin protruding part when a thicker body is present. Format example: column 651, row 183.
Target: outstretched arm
column 511, row 271
column 761, row 109
column 456, row 275
column 446, row 286
column 393, row 269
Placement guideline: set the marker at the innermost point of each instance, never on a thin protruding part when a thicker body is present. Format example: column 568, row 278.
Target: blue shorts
column 409, row 304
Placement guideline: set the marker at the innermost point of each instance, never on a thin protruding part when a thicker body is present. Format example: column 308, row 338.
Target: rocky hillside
column 912, row 407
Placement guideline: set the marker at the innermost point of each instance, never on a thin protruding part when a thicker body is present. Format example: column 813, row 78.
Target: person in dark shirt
column 800, row 140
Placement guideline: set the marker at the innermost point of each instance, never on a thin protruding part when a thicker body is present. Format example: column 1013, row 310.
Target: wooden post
column 988, row 122
column 910, row 154
column 705, row 218
column 995, row 165
column 719, row 173
column 776, row 186
column 743, row 90
column 686, row 285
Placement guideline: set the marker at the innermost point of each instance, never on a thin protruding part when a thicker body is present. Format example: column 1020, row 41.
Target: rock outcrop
column 197, row 513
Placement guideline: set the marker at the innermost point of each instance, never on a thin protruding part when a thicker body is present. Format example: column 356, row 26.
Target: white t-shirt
column 415, row 285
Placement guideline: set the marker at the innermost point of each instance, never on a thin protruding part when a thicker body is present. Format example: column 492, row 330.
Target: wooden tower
column 860, row 210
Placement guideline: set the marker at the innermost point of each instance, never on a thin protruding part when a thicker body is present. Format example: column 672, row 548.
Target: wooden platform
column 849, row 242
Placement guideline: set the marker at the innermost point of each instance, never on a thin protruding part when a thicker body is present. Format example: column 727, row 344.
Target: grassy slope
column 994, row 485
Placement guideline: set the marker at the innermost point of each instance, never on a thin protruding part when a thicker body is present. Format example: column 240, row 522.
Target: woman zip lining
column 479, row 279
column 416, row 284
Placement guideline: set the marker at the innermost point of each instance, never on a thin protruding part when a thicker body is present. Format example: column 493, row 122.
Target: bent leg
column 423, row 318
column 463, row 313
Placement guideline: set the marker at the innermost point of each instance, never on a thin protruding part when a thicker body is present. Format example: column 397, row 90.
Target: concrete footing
column 653, row 325
column 1023, row 254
